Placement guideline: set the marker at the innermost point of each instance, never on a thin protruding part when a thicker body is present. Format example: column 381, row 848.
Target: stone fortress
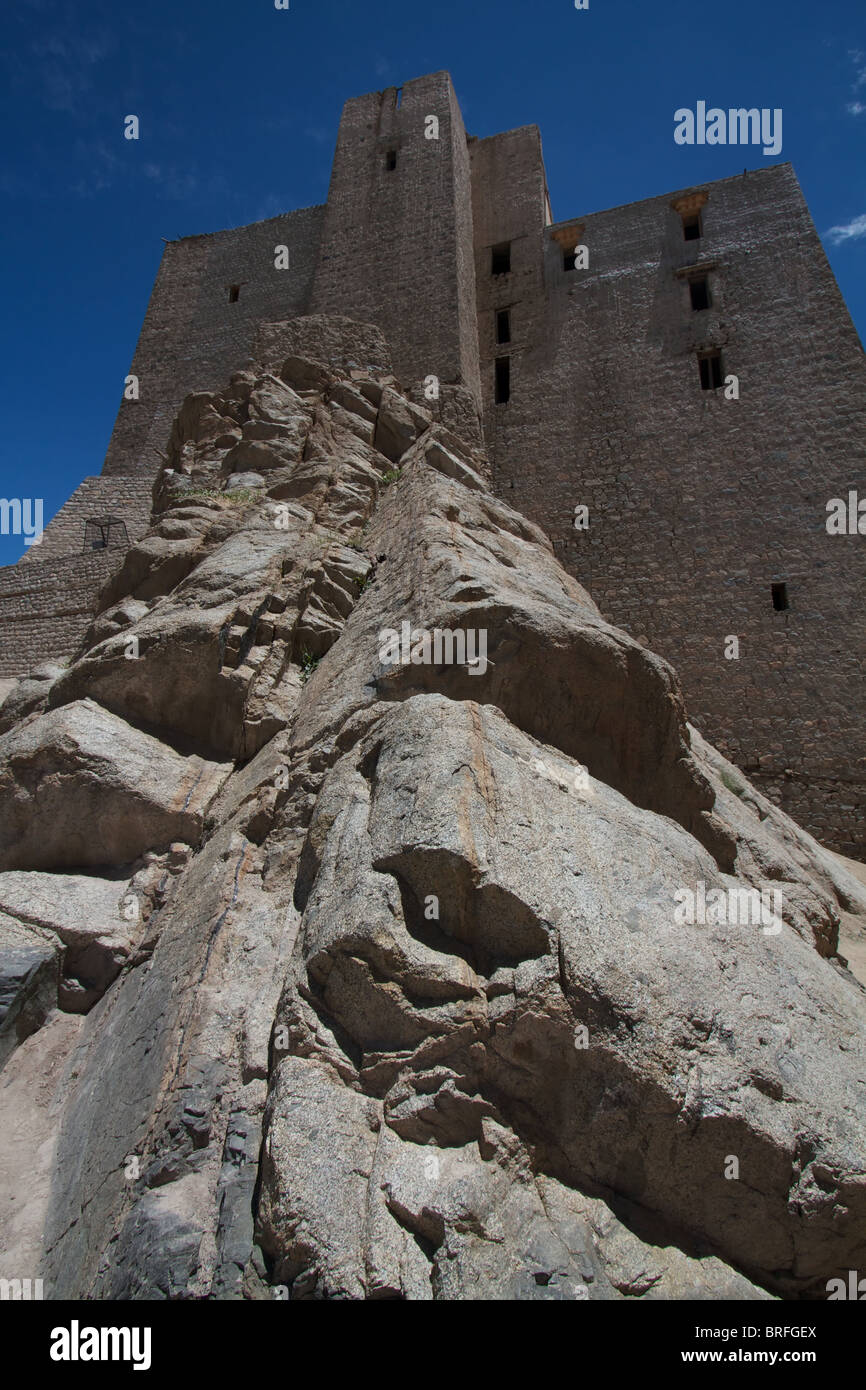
column 595, row 380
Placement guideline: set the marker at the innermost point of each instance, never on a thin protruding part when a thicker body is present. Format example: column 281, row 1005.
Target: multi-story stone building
column 673, row 389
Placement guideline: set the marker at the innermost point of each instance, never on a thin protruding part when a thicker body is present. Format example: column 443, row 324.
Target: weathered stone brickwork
column 194, row 333
column 698, row 504
column 397, row 241
column 46, row 608
column 48, row 598
column 128, row 498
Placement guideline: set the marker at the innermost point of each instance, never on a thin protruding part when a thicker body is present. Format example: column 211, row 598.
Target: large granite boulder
column 80, row 786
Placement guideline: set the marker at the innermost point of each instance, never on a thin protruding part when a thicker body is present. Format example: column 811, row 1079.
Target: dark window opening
column 503, row 326
column 780, row 597
column 502, row 392
column 500, row 259
column 391, row 160
column 234, row 293
column 692, row 228
column 710, row 365
column 699, row 289
column 569, row 258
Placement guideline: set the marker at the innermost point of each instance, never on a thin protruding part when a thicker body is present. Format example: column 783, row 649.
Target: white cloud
column 62, row 67
column 856, row 108
column 848, row 231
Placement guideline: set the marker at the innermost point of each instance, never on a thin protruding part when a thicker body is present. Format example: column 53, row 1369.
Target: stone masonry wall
column 46, row 608
column 48, row 598
column 194, row 335
column 699, row 504
column 397, row 242
column 129, row 498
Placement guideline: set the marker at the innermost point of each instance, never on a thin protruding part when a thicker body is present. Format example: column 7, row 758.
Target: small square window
column 234, row 293
column 692, row 226
column 780, row 597
column 500, row 258
column 710, row 367
column 502, row 385
column 699, row 289
column 503, row 326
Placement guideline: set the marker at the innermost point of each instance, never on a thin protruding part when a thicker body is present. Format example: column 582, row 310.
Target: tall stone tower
column 601, row 381
column 397, row 241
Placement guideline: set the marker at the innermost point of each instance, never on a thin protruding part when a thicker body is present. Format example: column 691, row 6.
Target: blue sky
column 239, row 105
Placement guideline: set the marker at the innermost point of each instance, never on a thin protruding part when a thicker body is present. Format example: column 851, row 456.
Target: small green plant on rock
column 732, row 784
column 391, row 476
column 241, row 495
column 308, row 665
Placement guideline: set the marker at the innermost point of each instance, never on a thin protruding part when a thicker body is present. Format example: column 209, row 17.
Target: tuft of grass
column 391, row 476
column 241, row 495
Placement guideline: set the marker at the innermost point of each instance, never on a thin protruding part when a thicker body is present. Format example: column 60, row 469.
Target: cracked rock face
column 375, row 937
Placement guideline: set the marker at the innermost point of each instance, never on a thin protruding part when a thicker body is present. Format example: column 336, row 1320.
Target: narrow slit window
column 780, row 597
column 500, row 259
column 699, row 289
column 391, row 160
column 503, row 326
column 234, row 293
column 710, row 366
column 692, row 226
column 502, row 384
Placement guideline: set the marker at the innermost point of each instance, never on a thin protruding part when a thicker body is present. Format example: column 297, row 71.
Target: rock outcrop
column 420, row 947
